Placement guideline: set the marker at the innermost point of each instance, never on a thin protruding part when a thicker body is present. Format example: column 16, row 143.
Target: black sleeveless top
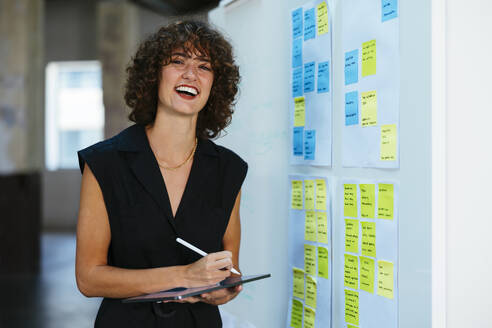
column 143, row 230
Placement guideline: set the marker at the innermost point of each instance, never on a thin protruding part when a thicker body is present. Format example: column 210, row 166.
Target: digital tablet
column 180, row 293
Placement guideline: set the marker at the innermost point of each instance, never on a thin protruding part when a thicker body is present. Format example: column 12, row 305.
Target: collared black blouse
column 143, row 230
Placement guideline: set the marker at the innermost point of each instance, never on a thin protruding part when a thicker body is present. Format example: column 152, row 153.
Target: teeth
column 193, row 91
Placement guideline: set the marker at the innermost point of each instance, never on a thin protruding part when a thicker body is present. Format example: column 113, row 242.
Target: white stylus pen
column 199, row 251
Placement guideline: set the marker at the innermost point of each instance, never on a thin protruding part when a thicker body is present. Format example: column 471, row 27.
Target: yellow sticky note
column 310, row 259
column 369, row 58
column 320, row 194
column 385, row 201
column 310, row 226
column 296, row 194
column 351, row 236
column 385, row 279
column 367, row 274
column 322, row 227
column 352, row 307
column 388, row 142
column 296, row 314
column 368, row 239
column 322, row 262
column 350, row 200
column 299, row 111
column 311, row 291
column 367, row 200
column 309, row 317
column 351, row 271
column 309, row 194
column 298, row 290
column 350, row 326
column 369, row 108
column 322, row 15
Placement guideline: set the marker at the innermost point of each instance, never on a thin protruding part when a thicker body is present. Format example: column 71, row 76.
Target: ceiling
column 177, row 7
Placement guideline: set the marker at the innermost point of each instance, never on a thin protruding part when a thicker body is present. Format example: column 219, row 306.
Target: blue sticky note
column 297, row 53
column 309, row 144
column 309, row 24
column 351, row 66
column 351, row 108
column 297, row 23
column 298, row 142
column 324, row 77
column 297, row 82
column 309, row 77
column 389, row 9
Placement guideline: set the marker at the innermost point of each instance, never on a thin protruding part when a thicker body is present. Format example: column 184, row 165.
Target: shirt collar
column 134, row 139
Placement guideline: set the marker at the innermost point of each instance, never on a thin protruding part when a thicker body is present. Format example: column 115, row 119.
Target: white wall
column 259, row 133
column 469, row 163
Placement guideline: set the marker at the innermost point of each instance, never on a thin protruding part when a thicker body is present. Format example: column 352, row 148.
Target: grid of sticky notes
column 310, row 197
column 310, row 77
column 370, row 83
column 364, row 206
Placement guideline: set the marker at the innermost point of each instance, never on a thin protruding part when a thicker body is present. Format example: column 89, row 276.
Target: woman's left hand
column 221, row 296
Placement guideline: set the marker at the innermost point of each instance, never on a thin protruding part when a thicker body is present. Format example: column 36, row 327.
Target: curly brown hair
column 144, row 74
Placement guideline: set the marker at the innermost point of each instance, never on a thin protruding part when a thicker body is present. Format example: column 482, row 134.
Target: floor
column 50, row 299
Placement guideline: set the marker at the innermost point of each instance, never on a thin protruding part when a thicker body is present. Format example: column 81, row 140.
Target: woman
column 160, row 179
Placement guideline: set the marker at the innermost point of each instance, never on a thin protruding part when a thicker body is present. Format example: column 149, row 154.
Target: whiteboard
column 259, row 133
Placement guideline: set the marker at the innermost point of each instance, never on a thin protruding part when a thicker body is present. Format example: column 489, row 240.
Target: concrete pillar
column 21, row 133
column 118, row 36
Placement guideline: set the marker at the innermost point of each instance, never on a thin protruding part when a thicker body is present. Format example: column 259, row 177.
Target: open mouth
column 187, row 91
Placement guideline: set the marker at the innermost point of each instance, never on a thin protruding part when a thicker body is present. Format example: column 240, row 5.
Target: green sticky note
column 350, row 200
column 385, row 201
column 367, row 274
column 296, row 314
column 310, row 226
column 311, row 291
column 322, row 18
column 309, row 194
column 298, row 289
column 389, row 141
column 369, row 108
column 385, row 279
column 310, row 259
column 322, row 262
column 299, row 111
column 351, row 235
column 296, row 200
column 368, row 238
column 369, row 58
column 367, row 200
column 352, row 307
column 350, row 326
column 322, row 227
column 309, row 317
column 351, row 271
column 320, row 194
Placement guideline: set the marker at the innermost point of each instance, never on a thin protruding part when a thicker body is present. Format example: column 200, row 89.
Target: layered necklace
column 190, row 156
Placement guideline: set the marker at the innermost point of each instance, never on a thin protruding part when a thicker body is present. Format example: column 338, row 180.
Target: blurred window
column 74, row 111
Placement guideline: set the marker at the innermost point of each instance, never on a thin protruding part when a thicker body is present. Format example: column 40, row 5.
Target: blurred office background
column 57, row 57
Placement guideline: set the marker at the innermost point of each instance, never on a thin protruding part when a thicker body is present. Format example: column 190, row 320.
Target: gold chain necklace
column 190, row 156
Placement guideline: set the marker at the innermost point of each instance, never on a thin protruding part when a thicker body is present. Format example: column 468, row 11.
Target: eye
column 176, row 61
column 206, row 68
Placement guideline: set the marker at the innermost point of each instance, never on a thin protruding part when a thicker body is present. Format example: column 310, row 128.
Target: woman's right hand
column 209, row 270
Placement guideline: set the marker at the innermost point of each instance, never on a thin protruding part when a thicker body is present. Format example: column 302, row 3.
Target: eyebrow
column 200, row 58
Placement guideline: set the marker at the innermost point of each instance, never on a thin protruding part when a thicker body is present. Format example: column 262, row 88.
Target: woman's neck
column 172, row 137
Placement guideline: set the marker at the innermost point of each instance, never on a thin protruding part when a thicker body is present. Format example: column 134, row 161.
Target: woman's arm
column 96, row 278
column 231, row 242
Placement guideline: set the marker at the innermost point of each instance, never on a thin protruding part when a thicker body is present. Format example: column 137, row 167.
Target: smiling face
column 185, row 83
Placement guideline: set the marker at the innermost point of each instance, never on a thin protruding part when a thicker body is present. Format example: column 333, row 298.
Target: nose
column 190, row 72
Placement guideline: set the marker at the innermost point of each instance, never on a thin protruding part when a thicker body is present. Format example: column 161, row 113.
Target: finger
column 225, row 263
column 220, row 255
